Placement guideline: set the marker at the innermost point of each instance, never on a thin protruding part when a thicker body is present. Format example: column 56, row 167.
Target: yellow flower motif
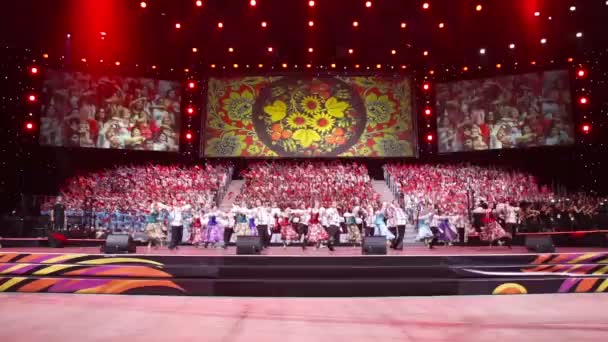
column 391, row 147
column 229, row 145
column 254, row 150
column 336, row 108
column 277, row 110
column 365, row 82
column 364, row 151
column 297, row 120
column 306, row 137
column 239, row 106
column 311, row 105
column 379, row 108
column 322, row 122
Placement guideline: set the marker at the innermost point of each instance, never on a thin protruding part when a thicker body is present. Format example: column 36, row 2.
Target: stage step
column 382, row 189
column 233, row 190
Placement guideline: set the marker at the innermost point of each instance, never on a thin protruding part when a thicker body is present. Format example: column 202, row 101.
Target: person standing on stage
column 213, row 234
column 350, row 218
column 316, row 232
column 176, row 221
column 399, row 218
column 288, row 233
column 88, row 221
column 58, row 217
column 153, row 228
column 380, row 227
column 333, row 220
column 263, row 219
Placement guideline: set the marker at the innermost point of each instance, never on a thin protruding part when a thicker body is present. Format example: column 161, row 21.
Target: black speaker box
column 540, row 244
column 119, row 244
column 374, row 245
column 248, row 245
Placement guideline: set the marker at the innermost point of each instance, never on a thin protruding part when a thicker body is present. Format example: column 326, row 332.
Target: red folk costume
column 287, row 231
column 316, row 232
column 492, row 230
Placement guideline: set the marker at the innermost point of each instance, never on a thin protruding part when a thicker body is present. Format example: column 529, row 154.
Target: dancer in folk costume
column 198, row 228
column 154, row 229
column 380, row 227
column 446, row 230
column 242, row 221
column 263, row 220
column 300, row 219
column 399, row 220
column 425, row 234
column 492, row 231
column 369, row 219
column 288, row 233
column 316, row 232
column 213, row 233
column 350, row 218
column 333, row 220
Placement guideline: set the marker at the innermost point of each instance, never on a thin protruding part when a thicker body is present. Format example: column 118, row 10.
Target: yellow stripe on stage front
column 584, row 257
column 63, row 257
column 603, row 287
column 105, row 261
column 52, row 268
column 10, row 283
column 14, row 268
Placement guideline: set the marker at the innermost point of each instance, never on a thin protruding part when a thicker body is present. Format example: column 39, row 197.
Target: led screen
column 505, row 112
column 281, row 116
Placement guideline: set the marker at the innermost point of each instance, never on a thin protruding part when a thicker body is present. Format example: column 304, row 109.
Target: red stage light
column 32, row 98
column 270, row 49
column 29, row 126
column 143, row 4
column 498, row 66
column 429, row 137
column 350, row 51
column 199, row 3
column 178, row 26
column 441, row 25
column 252, row 3
column 45, row 56
column 117, row 63
column 191, row 85
column 355, row 24
column 309, row 66
column 426, row 5
column 583, row 100
column 236, row 66
column 378, row 66
column 478, row 8
column 427, row 112
column 311, row 23
column 311, row 50
column 357, row 66
column 83, row 60
column 586, row 128
column 230, row 50
column 368, row 4
column 311, row 3
column 154, row 67
column 466, row 68
column 195, row 50
column 212, row 66
column 581, row 73
column 425, row 53
column 333, row 65
column 393, row 52
column 33, row 70
column 190, row 110
column 220, row 25
column 537, row 14
column 426, row 86
column 188, row 136
column 403, row 25
column 284, row 65
column 264, row 24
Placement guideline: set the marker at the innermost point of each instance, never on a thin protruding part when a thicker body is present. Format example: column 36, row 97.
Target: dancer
column 444, row 231
column 263, row 219
column 176, row 213
column 316, row 233
column 153, row 228
column 492, row 231
column 399, row 218
column 425, row 233
column 300, row 218
column 288, row 233
column 380, row 227
column 333, row 220
column 350, row 218
column 213, row 233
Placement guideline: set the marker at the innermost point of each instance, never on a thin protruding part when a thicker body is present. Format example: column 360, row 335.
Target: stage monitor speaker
column 119, row 244
column 248, row 245
column 540, row 244
column 374, row 245
column 57, row 240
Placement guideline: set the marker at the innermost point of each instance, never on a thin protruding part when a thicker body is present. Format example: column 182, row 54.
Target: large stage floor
column 309, row 252
column 57, row 317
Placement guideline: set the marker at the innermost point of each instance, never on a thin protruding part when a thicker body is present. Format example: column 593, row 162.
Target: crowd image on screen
column 505, row 112
column 82, row 110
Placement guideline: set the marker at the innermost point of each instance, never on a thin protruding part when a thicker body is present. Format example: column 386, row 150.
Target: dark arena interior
column 304, row 170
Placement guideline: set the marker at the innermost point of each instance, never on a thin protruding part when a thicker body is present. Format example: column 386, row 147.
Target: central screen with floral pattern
column 299, row 116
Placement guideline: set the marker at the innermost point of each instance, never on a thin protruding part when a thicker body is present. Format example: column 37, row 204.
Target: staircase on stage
column 293, row 272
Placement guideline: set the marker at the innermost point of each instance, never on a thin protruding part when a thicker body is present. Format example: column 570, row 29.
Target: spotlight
column 310, row 50
column 355, row 24
column 309, row 66
column 426, row 6
column 143, row 4
column 403, row 25
column 284, row 65
column 270, row 49
column 29, row 126
column 230, row 50
column 311, row 23
column 441, row 25
column 252, row 3
column 333, row 65
column 478, row 8
column 579, row 34
column 32, row 98
column 236, row 66
column 195, row 50
column 429, row 137
column 537, row 14
column 190, row 110
column 583, row 100
column 427, row 112
column 33, row 70
column 393, row 52
column 498, row 66
column 260, row 66
column 220, row 25
column 264, row 24
column 570, row 59
column 572, row 8
column 581, row 73
column 511, row 46
column 311, row 3
column 191, row 85
column 482, row 51
column 212, row 66
column 543, row 41
column 350, row 51
column 188, row 136
column 178, row 26
column 465, row 68
column 199, row 3
column 117, row 63
column 426, row 86
column 368, row 4
column 425, row 53
column 378, row 66
column 586, row 128
column 83, row 60
column 45, row 56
